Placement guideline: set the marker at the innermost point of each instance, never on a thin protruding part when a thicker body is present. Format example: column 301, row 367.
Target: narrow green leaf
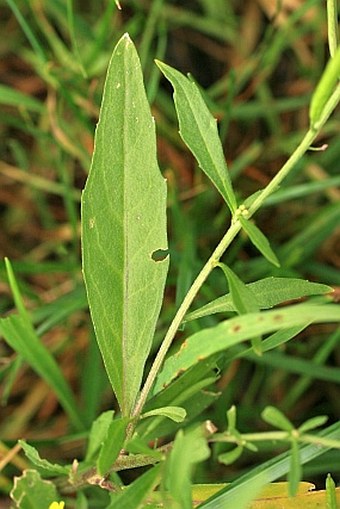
column 112, row 445
column 74, row 41
column 198, row 129
column 268, row 293
column 188, row 449
column 280, row 337
column 293, row 364
column 11, row 377
column 25, row 26
column 189, row 391
column 325, row 87
column 136, row 493
column 243, row 299
column 21, row 336
column 259, row 240
column 276, row 418
column 231, row 332
column 33, row 455
column 175, row 413
column 98, row 433
column 295, row 470
column 231, row 418
column 331, row 502
column 251, row 447
column 314, row 422
column 124, row 226
column 31, row 491
column 11, row 97
column 194, row 407
column 138, row 445
column 81, row 501
column 227, row 458
column 199, row 376
column 19, row 301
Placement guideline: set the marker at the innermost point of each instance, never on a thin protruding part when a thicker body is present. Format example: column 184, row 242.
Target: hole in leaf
column 159, row 255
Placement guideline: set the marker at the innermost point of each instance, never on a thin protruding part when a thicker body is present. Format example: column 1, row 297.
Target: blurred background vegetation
column 257, row 62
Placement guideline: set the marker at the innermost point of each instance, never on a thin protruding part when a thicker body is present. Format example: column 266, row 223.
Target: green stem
column 90, row 476
column 182, row 310
column 332, row 23
column 276, row 436
column 225, row 242
column 251, row 437
column 298, row 152
column 320, row 441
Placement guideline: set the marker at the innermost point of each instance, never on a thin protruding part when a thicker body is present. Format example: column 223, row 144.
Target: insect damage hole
column 160, row 255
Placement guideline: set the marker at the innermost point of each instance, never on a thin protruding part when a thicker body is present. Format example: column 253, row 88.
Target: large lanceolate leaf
column 124, row 227
column 198, row 129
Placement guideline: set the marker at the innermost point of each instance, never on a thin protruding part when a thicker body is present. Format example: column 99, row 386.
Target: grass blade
column 37, row 47
column 269, row 471
column 20, row 334
column 22, row 338
column 10, row 96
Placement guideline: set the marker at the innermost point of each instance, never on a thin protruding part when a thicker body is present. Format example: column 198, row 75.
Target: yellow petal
column 57, row 505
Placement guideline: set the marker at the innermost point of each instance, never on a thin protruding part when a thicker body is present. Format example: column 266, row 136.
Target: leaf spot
column 92, row 222
column 235, row 328
column 184, row 345
column 180, row 372
column 118, row 85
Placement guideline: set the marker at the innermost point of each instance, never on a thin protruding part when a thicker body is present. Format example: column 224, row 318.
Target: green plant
column 125, row 264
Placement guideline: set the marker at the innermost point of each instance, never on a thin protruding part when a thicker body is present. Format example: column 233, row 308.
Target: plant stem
column 276, row 436
column 231, row 233
column 332, row 23
column 251, row 437
column 298, row 152
column 182, row 310
column 90, row 476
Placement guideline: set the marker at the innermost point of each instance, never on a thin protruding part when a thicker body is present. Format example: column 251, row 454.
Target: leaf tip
column 159, row 64
column 126, row 40
column 276, row 262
